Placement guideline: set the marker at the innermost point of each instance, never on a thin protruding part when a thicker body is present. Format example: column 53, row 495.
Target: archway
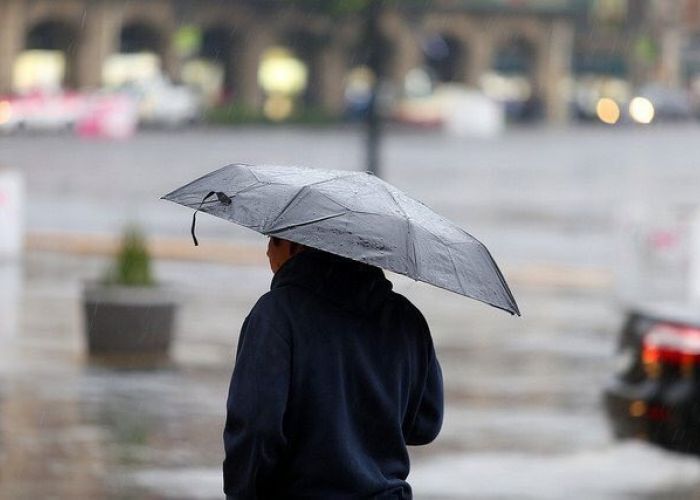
column 140, row 37
column 213, row 68
column 512, row 79
column 445, row 58
column 49, row 59
column 140, row 56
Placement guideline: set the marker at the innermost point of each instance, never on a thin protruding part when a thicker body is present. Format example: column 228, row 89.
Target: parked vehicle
column 458, row 109
column 655, row 394
column 42, row 110
column 670, row 104
column 109, row 116
column 162, row 103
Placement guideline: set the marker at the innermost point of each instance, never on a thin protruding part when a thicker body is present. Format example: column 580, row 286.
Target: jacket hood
column 351, row 285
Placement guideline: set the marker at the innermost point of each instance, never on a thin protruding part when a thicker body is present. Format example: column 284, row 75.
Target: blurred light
column 39, row 69
column 5, row 112
column 358, row 88
column 642, row 110
column 608, row 111
column 278, row 107
column 282, row 73
column 188, row 41
column 638, row 408
column 119, row 69
column 418, row 83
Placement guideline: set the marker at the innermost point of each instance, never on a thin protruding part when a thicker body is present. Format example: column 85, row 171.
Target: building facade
column 535, row 38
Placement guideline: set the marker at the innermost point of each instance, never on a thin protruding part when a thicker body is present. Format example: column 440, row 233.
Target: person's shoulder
column 271, row 313
column 271, row 301
column 406, row 306
column 280, row 302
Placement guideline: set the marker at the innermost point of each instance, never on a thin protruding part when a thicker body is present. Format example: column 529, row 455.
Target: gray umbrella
column 355, row 215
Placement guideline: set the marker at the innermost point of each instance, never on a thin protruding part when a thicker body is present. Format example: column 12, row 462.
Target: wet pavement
column 524, row 416
column 533, row 195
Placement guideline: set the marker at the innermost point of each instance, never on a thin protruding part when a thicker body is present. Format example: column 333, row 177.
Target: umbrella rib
column 304, row 189
column 409, row 239
column 504, row 284
column 305, row 223
column 454, row 266
column 251, row 170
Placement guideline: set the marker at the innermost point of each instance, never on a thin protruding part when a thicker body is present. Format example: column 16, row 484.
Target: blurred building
column 256, row 52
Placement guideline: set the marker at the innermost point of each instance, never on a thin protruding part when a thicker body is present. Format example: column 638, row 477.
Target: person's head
column 280, row 251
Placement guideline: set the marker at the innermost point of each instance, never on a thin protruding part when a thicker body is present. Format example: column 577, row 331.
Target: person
column 335, row 375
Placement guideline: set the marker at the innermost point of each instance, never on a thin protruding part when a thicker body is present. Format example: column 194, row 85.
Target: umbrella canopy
column 354, row 215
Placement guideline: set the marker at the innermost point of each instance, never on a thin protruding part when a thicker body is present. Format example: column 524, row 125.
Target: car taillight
column 671, row 344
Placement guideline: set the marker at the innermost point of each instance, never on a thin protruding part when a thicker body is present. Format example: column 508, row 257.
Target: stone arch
column 57, row 34
column 517, row 55
column 222, row 43
column 138, row 38
column 141, row 36
column 150, row 27
column 452, row 39
column 446, row 57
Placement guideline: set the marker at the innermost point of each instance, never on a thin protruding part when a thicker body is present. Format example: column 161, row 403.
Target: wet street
column 524, row 417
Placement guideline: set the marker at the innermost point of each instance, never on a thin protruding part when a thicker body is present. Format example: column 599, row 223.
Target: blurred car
column 649, row 104
column 162, row 103
column 109, row 116
column 669, row 103
column 41, row 110
column 655, row 394
column 456, row 108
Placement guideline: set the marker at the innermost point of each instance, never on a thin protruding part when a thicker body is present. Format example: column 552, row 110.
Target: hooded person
column 335, row 375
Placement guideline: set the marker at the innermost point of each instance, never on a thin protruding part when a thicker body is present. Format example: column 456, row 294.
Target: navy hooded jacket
column 335, row 374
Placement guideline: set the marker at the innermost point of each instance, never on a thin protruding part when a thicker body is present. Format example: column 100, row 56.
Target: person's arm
column 254, row 439
column 428, row 420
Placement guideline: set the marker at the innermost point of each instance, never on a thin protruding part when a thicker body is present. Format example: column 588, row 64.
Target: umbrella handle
column 222, row 197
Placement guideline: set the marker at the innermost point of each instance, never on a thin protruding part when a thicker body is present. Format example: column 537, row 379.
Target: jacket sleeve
column 428, row 420
column 254, row 439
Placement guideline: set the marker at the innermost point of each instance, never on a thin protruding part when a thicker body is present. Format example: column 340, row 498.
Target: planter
column 128, row 321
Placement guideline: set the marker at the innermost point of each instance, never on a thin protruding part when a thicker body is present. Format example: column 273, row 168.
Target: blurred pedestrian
column 335, row 375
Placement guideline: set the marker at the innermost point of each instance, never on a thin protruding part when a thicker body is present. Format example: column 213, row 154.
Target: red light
column 665, row 343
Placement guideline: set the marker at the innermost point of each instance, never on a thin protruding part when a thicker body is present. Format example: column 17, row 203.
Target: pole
column 373, row 120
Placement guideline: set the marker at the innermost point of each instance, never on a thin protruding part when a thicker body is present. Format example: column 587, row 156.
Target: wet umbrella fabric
column 354, row 215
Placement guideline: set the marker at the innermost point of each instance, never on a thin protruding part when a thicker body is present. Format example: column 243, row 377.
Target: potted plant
column 127, row 313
